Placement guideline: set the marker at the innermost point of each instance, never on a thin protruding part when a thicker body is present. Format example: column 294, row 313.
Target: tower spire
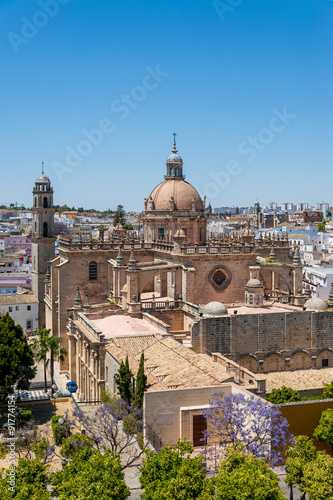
column 42, row 168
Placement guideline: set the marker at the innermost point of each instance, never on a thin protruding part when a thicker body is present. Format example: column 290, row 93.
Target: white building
column 23, row 308
column 319, row 279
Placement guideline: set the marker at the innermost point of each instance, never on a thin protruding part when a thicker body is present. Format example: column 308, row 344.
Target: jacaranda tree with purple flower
column 246, row 423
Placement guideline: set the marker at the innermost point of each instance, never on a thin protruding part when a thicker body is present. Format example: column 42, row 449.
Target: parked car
column 71, row 386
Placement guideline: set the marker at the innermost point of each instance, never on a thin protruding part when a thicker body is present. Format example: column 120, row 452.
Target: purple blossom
column 249, row 423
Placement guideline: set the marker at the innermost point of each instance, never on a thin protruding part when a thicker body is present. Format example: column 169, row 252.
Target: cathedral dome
column 174, row 157
column 315, row 304
column 214, row 309
column 184, row 195
column 43, row 179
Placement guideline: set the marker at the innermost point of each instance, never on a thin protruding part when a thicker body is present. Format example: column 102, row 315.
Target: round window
column 219, row 277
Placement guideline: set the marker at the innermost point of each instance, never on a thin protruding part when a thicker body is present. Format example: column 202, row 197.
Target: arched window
column 176, row 172
column 92, row 271
column 45, row 202
column 45, row 230
column 171, row 171
column 35, row 204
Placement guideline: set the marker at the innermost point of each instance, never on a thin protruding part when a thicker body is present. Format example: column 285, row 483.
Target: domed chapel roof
column 174, row 193
column 183, row 194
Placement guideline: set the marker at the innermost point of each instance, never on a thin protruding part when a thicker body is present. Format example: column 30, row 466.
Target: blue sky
column 246, row 85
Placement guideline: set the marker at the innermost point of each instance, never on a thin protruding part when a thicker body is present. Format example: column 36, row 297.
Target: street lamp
column 54, row 388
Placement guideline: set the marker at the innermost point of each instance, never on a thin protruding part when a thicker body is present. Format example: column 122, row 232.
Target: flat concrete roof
column 120, row 325
column 278, row 308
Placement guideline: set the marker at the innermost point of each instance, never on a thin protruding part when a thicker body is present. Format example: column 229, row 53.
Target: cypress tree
column 123, row 379
column 141, row 383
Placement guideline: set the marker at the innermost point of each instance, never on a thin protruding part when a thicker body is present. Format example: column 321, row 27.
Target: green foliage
column 119, row 216
column 128, row 227
column 91, row 476
column 72, row 446
column 123, row 380
column 321, row 227
column 172, row 474
column 283, row 395
column 16, row 358
column 318, row 477
column 30, row 482
column 242, row 477
column 59, row 431
column 40, row 448
column 25, row 417
column 107, row 397
column 299, row 455
column 324, row 430
column 328, row 390
column 141, row 383
column 3, row 450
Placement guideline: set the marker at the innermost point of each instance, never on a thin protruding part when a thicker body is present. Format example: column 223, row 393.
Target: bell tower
column 42, row 242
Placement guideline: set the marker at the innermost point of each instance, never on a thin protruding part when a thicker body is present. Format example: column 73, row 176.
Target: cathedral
column 171, row 266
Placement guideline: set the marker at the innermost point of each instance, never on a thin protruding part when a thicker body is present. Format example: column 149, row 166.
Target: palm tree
column 101, row 230
column 40, row 347
column 56, row 350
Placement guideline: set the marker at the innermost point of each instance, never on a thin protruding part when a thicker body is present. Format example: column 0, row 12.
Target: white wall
column 21, row 315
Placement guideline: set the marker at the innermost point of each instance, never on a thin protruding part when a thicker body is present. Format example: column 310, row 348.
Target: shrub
column 25, row 417
column 40, row 448
column 72, row 446
column 328, row 390
column 107, row 397
column 283, row 395
column 59, row 431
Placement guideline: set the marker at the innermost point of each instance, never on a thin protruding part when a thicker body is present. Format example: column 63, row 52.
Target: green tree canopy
column 318, row 477
column 123, row 379
column 16, row 358
column 241, row 477
column 299, row 455
column 328, row 390
column 30, row 481
column 173, row 474
column 119, row 216
column 128, row 227
column 283, row 395
column 324, row 430
column 141, row 383
column 91, row 476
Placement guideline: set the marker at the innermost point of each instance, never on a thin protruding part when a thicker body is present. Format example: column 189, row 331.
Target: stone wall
column 269, row 342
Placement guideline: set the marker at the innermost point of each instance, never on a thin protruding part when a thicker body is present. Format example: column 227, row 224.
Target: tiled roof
column 170, row 363
column 135, row 345
column 299, row 380
column 24, row 298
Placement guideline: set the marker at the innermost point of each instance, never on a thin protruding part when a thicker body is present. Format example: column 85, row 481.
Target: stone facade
column 177, row 267
column 286, row 340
